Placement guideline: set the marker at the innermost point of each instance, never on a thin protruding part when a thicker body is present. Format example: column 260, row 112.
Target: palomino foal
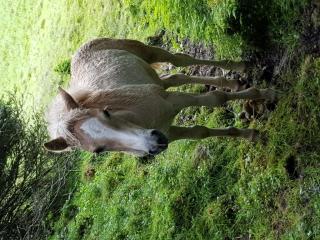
column 117, row 102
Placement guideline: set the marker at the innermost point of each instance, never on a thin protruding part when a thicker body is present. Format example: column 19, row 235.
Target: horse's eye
column 106, row 113
column 99, row 150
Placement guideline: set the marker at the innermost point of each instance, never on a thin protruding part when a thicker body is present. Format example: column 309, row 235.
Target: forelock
column 62, row 125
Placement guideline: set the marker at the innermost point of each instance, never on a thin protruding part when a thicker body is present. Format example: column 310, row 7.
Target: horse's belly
column 109, row 69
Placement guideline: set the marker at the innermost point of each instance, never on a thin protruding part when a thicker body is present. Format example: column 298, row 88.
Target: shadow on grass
column 252, row 23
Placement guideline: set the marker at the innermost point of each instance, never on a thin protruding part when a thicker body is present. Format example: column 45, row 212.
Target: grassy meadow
column 210, row 189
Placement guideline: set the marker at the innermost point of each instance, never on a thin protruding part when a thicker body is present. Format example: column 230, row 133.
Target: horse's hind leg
column 182, row 60
column 154, row 54
column 219, row 82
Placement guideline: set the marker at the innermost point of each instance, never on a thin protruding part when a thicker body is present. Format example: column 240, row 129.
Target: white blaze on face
column 97, row 131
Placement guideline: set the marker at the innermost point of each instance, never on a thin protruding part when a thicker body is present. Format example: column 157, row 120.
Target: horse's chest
column 155, row 113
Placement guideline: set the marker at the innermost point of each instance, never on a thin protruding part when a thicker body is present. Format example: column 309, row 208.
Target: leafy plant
column 32, row 182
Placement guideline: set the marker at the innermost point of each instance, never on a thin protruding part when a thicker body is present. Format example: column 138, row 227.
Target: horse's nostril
column 155, row 132
column 161, row 142
column 161, row 138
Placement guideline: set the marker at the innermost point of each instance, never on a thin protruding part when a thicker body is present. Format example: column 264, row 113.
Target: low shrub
column 33, row 183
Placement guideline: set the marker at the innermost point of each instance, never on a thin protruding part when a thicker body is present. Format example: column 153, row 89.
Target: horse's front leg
column 200, row 132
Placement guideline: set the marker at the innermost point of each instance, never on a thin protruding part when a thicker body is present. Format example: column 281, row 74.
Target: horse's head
column 98, row 130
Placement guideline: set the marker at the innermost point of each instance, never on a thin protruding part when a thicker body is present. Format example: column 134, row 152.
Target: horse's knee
column 218, row 97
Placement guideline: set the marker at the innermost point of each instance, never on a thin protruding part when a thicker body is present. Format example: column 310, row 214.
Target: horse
column 116, row 101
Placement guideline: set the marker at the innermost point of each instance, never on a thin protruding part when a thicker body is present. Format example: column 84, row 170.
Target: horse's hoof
column 273, row 96
column 254, row 136
column 247, row 67
column 241, row 85
column 258, row 136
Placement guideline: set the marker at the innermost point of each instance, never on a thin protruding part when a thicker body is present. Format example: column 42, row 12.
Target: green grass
column 209, row 189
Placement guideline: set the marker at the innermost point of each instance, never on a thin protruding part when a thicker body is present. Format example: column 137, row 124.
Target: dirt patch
column 200, row 51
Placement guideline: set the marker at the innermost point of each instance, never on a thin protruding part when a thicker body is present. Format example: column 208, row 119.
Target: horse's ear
column 58, row 144
column 68, row 100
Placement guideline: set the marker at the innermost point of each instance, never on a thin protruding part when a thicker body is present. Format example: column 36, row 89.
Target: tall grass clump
column 262, row 24
column 33, row 183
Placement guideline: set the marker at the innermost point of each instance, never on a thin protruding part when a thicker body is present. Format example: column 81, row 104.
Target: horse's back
column 108, row 69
